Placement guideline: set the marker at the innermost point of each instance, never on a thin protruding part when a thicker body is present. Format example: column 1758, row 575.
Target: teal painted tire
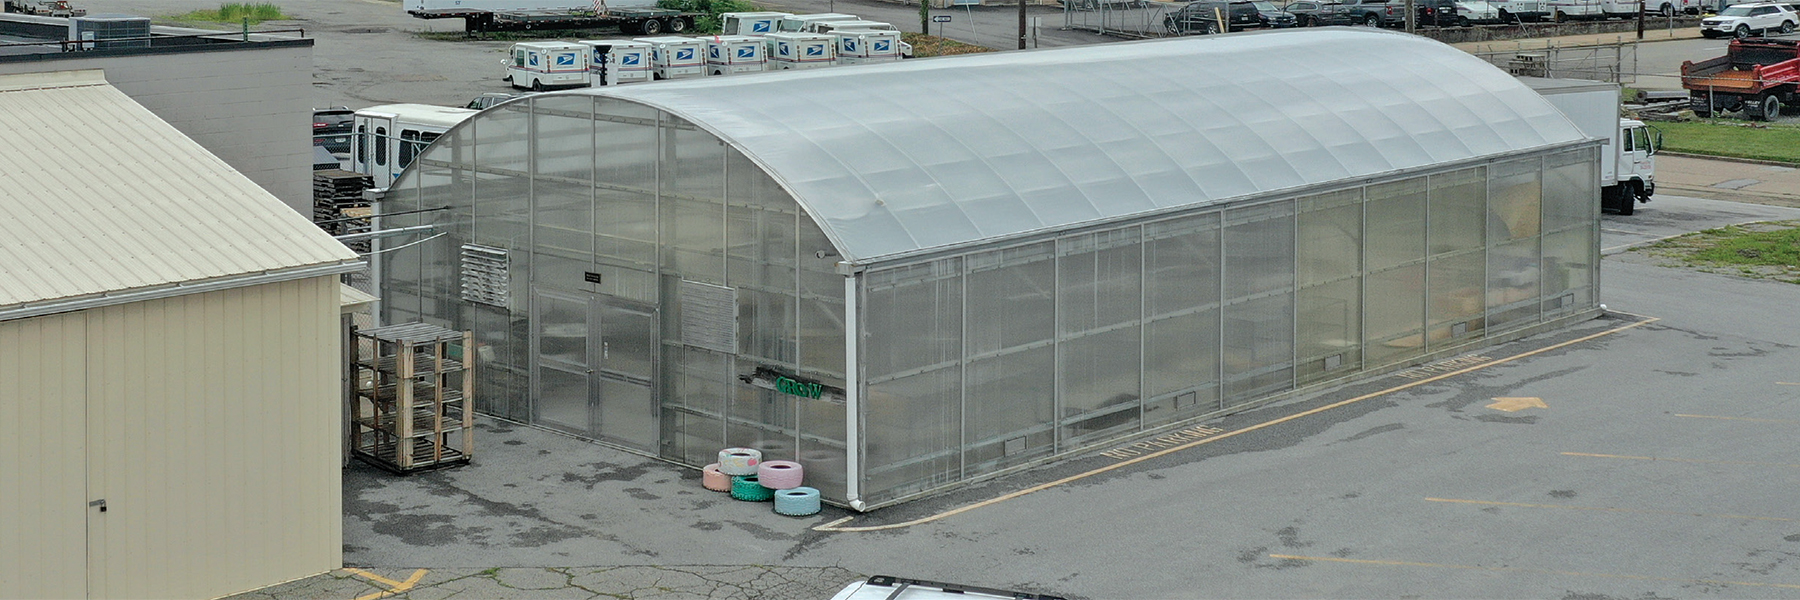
column 797, row 502
column 749, row 489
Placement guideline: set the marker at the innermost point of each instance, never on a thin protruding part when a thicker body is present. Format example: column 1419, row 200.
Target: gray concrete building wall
column 250, row 105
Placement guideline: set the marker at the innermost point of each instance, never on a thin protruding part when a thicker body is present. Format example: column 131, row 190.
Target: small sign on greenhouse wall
column 793, row 385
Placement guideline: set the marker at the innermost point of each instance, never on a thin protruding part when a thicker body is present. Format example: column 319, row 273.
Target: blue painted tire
column 797, row 502
column 749, row 489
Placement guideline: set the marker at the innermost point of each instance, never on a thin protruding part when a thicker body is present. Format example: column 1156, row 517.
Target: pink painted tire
column 713, row 479
column 780, row 474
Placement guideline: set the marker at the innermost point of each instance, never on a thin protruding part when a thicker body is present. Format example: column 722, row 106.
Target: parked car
column 1273, row 16
column 1202, row 17
column 1438, row 13
column 331, row 128
column 1376, row 13
column 487, row 99
column 1741, row 20
column 1479, row 12
column 1319, row 13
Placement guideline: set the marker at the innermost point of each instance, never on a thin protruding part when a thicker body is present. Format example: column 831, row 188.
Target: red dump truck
column 1756, row 75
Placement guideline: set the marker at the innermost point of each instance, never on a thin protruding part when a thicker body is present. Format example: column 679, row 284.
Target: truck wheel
column 1628, row 198
column 537, row 85
column 1771, row 108
column 1561, row 17
column 1742, row 31
column 1787, row 26
column 677, row 25
column 1668, row 10
column 1372, row 20
column 651, row 26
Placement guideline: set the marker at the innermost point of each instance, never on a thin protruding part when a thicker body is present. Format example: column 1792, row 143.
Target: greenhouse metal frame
column 917, row 275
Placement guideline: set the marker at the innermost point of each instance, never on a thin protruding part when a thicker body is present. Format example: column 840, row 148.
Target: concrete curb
column 1748, row 161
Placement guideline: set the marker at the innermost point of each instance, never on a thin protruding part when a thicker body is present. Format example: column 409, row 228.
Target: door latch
column 101, row 504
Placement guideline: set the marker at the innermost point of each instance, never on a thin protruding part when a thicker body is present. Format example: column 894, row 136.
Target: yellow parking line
column 1400, row 563
column 394, row 587
column 1645, row 511
column 1741, row 419
column 835, row 525
column 1685, row 460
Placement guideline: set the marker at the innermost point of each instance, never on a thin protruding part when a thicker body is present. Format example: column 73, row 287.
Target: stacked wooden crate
column 338, row 204
column 412, row 407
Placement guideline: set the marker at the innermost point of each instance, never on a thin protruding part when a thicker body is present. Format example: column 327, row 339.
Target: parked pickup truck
column 1755, row 76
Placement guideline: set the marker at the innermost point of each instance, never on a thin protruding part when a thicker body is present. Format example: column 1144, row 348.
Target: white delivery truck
column 388, row 137
column 751, row 23
column 790, row 50
column 540, row 65
column 864, row 46
column 906, row 50
column 614, row 62
column 797, row 23
column 675, row 57
column 733, row 54
column 1628, row 156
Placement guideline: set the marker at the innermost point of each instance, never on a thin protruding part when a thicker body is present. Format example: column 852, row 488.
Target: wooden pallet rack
column 337, row 195
column 412, row 408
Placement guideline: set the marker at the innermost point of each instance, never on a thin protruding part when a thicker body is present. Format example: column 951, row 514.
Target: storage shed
column 914, row 275
column 169, row 360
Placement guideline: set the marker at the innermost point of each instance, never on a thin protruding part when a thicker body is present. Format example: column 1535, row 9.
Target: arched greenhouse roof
column 895, row 159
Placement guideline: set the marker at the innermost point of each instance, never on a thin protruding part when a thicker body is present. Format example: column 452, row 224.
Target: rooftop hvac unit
column 109, row 32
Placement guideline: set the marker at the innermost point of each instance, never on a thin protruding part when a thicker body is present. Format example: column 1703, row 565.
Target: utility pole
column 1640, row 19
column 1021, row 24
column 1412, row 17
column 925, row 17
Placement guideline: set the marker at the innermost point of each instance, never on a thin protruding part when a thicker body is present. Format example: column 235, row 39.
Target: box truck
column 1628, row 151
column 733, row 54
column 614, row 62
column 542, row 65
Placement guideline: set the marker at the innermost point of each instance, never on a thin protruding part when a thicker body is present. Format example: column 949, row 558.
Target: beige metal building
column 169, row 359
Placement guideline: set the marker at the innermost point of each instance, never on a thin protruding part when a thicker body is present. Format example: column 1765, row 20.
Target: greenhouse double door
column 594, row 367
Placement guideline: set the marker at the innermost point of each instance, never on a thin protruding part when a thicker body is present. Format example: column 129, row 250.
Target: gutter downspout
column 852, row 389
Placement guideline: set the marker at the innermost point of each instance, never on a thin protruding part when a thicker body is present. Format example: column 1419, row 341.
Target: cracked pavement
column 636, row 582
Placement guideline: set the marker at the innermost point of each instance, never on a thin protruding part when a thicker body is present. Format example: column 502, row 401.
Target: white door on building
column 595, row 365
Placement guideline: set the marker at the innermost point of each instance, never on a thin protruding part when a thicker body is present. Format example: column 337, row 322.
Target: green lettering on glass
column 804, row 390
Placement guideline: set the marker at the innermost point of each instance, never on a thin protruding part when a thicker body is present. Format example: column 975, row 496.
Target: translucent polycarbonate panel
column 1394, row 301
column 1515, row 191
column 1009, row 409
column 913, row 319
column 1024, row 142
column 563, row 137
column 761, row 418
column 625, row 146
column 821, row 307
column 1396, row 223
column 772, row 334
column 1458, row 296
column 1259, row 250
column 1457, row 210
column 1258, row 346
column 1099, row 373
column 913, row 428
column 1181, row 331
column 1330, row 237
column 822, row 448
column 1568, row 270
column 692, row 176
column 1099, row 280
column 1513, row 279
column 1571, row 189
column 564, row 215
column 694, row 400
column 503, row 139
column 501, row 387
column 1329, row 323
column 1009, row 298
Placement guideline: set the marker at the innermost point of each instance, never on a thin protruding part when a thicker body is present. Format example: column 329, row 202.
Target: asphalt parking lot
column 1646, row 454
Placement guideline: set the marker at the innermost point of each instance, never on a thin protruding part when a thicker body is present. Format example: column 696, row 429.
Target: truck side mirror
column 1656, row 140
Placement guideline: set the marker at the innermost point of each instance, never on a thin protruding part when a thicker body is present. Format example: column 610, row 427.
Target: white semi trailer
column 1628, row 156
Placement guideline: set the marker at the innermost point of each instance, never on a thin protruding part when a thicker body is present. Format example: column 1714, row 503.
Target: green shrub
column 709, row 20
column 235, row 12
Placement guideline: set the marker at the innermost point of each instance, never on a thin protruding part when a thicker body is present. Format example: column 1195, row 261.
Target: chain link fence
column 1615, row 63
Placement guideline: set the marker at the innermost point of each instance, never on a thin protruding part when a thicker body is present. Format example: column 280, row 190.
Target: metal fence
column 1616, row 62
column 1135, row 18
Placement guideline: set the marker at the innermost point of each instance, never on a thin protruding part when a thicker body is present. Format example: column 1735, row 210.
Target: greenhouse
column 914, row 275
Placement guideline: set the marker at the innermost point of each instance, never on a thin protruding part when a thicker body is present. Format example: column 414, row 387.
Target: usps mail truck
column 788, row 50
column 864, row 46
column 733, row 54
column 541, row 65
column 797, row 23
column 616, row 62
column 751, row 23
column 675, row 57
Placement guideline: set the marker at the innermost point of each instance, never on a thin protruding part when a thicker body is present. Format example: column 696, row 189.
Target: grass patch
column 931, row 45
column 1732, row 138
column 1767, row 250
column 235, row 12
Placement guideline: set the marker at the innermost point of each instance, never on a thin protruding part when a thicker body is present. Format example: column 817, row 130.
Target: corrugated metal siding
column 215, row 429
column 103, row 196
column 211, row 427
column 43, row 500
